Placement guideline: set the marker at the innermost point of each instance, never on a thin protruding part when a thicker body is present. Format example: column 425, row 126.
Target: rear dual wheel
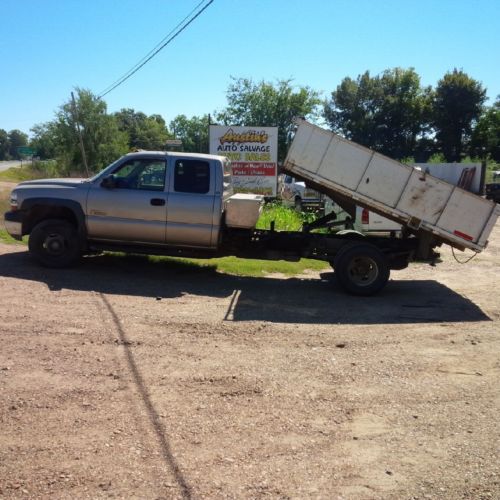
column 362, row 269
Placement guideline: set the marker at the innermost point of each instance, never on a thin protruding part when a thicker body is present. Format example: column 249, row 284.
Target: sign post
column 253, row 152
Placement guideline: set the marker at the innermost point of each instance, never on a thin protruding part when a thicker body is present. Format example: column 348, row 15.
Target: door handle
column 157, row 202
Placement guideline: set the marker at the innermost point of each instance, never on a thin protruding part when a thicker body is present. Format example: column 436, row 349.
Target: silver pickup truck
column 182, row 204
column 143, row 199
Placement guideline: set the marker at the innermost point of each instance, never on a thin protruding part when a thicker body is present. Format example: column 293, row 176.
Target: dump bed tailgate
column 397, row 191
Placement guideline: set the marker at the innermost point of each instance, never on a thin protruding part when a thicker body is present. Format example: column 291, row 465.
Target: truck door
column 191, row 202
column 131, row 204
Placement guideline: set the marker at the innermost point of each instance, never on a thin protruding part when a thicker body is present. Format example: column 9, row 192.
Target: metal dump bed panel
column 401, row 193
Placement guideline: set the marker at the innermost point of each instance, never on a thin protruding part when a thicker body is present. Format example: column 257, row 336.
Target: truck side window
column 192, row 176
column 143, row 174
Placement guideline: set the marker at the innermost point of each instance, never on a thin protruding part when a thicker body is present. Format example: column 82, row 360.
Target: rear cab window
column 192, row 176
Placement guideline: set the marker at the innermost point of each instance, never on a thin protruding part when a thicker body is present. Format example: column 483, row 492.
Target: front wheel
column 54, row 243
column 362, row 269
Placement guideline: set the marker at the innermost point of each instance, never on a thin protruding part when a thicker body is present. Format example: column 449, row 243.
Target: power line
column 108, row 89
column 160, row 46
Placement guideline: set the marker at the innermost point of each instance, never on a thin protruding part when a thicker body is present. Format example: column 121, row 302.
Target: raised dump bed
column 421, row 202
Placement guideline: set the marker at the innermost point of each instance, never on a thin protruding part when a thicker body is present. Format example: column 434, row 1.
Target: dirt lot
column 126, row 379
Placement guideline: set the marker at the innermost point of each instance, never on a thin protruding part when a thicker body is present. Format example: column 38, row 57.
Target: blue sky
column 48, row 47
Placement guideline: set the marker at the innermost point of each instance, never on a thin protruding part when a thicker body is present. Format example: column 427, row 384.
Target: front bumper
column 13, row 224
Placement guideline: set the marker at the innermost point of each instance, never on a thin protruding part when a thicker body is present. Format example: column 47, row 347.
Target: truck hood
column 53, row 182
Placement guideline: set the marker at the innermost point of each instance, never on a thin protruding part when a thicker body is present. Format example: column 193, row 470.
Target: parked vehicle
column 297, row 194
column 371, row 222
column 493, row 191
column 182, row 204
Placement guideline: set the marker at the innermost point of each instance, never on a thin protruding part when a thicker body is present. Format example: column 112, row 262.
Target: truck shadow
column 286, row 300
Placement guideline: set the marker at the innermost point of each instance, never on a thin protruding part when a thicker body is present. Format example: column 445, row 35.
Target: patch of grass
column 5, row 237
column 254, row 267
column 19, row 174
column 40, row 170
column 285, row 218
column 226, row 265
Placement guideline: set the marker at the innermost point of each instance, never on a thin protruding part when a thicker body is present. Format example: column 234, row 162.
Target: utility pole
column 77, row 125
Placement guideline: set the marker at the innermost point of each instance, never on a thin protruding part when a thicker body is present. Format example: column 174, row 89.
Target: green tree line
column 9, row 142
column 392, row 113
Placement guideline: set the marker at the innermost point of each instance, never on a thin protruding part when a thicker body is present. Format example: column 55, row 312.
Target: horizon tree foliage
column 4, row 144
column 16, row 139
column 457, row 105
column 44, row 139
column 9, row 142
column 193, row 132
column 389, row 112
column 103, row 141
column 144, row 132
column 268, row 104
column 485, row 142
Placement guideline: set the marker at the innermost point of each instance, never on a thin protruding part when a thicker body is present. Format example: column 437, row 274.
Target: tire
column 353, row 235
column 362, row 269
column 54, row 243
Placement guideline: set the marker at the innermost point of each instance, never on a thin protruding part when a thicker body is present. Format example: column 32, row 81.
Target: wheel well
column 38, row 213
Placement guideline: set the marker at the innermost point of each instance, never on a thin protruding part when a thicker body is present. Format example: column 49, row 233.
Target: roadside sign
column 26, row 151
column 253, row 152
column 173, row 142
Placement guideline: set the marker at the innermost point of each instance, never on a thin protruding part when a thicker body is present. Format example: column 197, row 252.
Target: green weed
column 285, row 219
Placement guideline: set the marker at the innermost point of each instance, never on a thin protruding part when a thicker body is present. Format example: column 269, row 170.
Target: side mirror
column 109, row 182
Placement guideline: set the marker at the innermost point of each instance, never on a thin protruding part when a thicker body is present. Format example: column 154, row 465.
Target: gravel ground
column 126, row 379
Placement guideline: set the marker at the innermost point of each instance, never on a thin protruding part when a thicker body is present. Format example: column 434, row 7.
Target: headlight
column 13, row 201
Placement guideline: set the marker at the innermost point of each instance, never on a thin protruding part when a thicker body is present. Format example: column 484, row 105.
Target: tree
column 144, row 132
column 388, row 113
column 17, row 139
column 103, row 141
column 193, row 132
column 267, row 104
column 485, row 142
column 4, row 144
column 456, row 107
column 44, row 140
